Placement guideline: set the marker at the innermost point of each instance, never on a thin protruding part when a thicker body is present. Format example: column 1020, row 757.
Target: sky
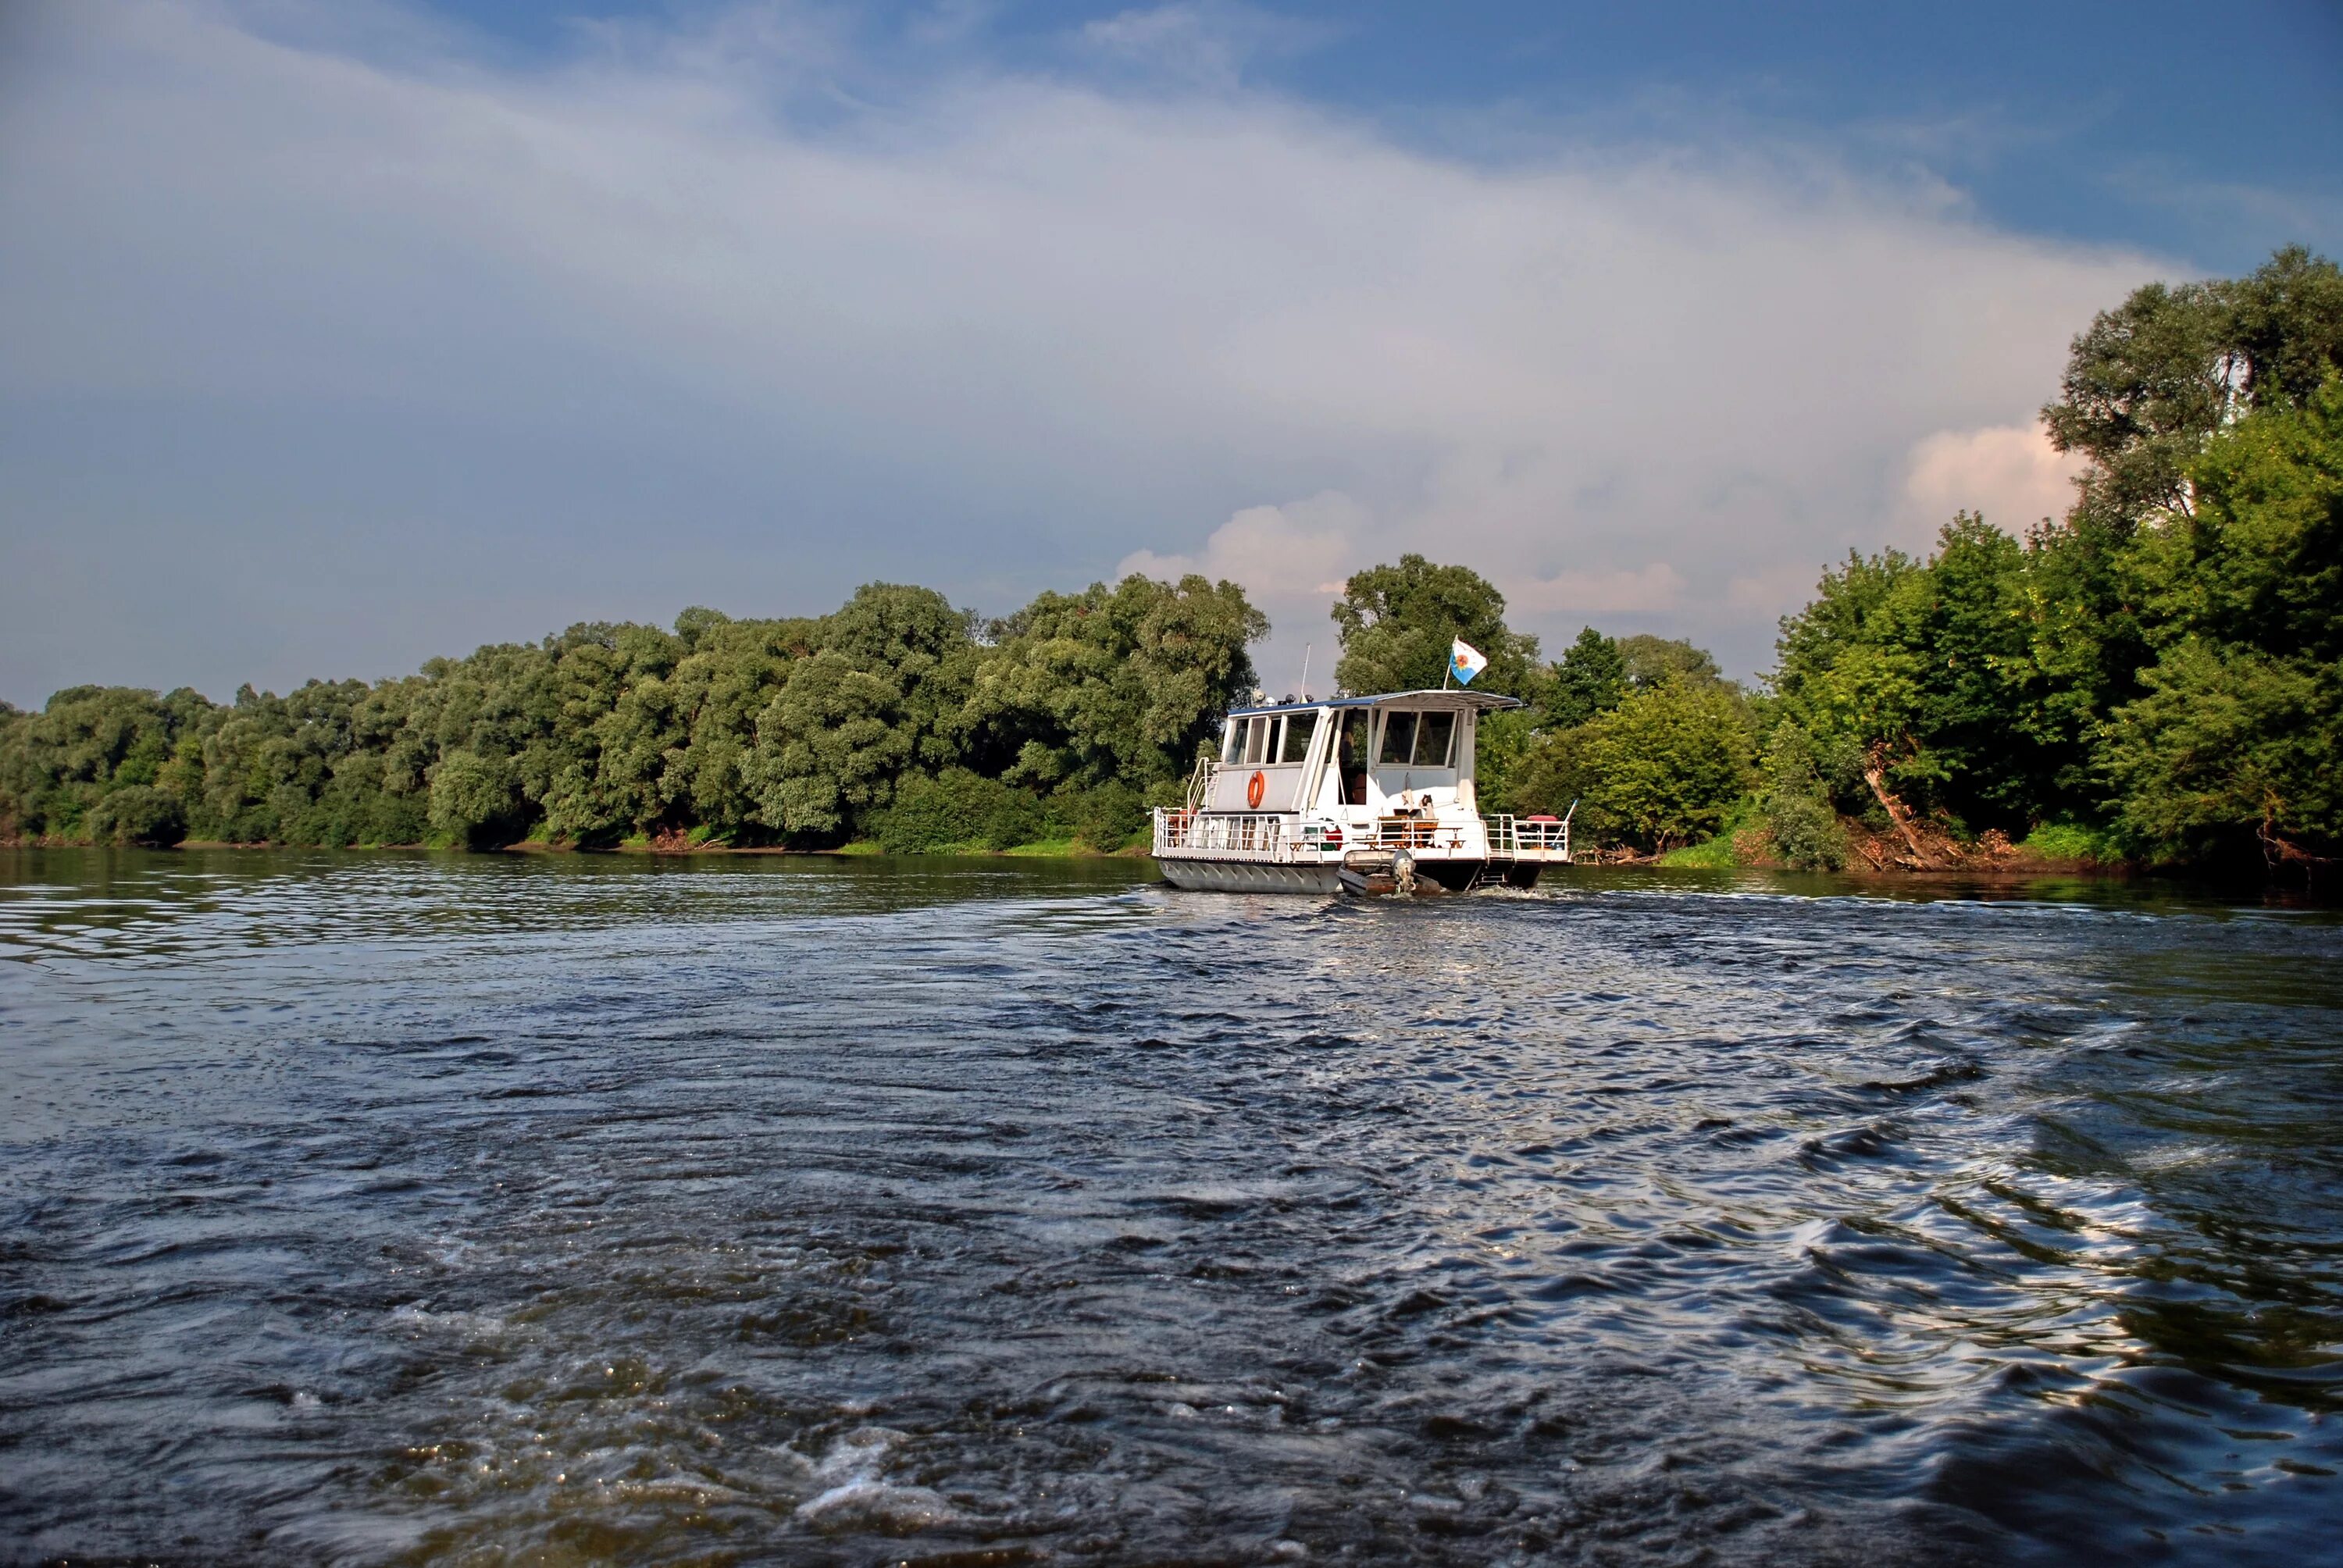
column 335, row 337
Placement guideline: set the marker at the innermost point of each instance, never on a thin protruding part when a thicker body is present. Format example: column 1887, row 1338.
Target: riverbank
column 1861, row 848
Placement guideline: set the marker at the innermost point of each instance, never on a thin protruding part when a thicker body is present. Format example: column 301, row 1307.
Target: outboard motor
column 1403, row 873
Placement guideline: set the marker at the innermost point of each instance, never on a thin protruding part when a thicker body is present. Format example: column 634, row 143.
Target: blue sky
column 2169, row 126
column 333, row 337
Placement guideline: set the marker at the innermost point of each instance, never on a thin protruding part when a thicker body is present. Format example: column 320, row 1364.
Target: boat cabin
column 1409, row 753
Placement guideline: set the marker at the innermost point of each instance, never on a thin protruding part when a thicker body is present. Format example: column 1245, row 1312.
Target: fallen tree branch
column 1875, row 773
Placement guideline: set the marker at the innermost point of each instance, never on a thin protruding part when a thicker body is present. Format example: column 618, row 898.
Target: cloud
column 1205, row 43
column 1303, row 550
column 1774, row 591
column 320, row 355
column 2009, row 473
column 1655, row 587
column 1292, row 561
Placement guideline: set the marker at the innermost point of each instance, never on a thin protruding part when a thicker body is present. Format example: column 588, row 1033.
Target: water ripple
column 380, row 1209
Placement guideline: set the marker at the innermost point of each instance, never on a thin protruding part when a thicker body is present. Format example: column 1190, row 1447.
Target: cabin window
column 1299, row 728
column 1256, row 740
column 1233, row 743
column 1399, row 740
column 1435, row 733
column 1351, row 756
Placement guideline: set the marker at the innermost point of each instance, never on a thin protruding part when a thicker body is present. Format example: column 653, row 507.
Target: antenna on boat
column 1306, row 670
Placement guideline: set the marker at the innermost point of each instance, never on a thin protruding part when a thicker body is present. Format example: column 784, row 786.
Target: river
column 394, row 1208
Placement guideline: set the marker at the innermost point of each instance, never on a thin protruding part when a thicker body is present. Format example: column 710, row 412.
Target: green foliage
column 740, row 732
column 2165, row 661
column 1551, row 772
column 1589, row 678
column 2151, row 380
column 1123, row 683
column 1507, row 741
column 2071, row 841
column 472, row 797
column 1794, row 806
column 1646, row 661
column 1933, row 669
column 138, row 814
column 1396, row 624
column 958, row 809
column 2237, row 735
column 1106, row 817
column 1667, row 766
column 1715, row 855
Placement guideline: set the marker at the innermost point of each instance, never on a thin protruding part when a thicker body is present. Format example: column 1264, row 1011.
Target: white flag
column 1465, row 661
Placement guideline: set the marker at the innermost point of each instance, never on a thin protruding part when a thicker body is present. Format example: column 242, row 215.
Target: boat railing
column 1415, row 833
column 1216, row 832
column 1513, row 838
column 1199, row 780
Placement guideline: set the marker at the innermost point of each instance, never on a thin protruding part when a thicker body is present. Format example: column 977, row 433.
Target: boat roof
column 1452, row 699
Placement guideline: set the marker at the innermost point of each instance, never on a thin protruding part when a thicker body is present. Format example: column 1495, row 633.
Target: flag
column 1465, row 661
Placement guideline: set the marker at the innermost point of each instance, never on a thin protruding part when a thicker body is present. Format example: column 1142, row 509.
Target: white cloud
column 741, row 313
column 2009, row 473
column 1206, row 43
column 1303, row 550
column 1292, row 561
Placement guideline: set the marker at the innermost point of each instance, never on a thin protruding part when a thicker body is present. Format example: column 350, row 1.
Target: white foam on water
column 876, row 1506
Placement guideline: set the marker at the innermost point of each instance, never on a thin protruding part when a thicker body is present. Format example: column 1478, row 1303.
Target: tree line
column 896, row 718
column 2157, row 677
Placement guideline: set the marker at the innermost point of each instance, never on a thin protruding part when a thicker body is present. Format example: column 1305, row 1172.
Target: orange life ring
column 1253, row 788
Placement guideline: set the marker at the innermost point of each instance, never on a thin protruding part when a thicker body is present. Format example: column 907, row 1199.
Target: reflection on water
column 381, row 1208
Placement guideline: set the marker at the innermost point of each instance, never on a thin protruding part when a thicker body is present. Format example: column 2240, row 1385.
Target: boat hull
column 1252, row 877
column 1249, row 877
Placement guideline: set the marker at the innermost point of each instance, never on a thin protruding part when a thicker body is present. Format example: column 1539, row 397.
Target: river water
column 384, row 1209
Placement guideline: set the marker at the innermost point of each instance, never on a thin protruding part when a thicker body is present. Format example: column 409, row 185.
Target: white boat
column 1356, row 794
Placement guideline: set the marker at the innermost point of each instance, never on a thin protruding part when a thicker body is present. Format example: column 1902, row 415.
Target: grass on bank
column 1717, row 855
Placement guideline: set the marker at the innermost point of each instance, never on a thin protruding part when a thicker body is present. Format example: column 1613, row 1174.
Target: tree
column 2238, row 730
column 1123, row 683
column 1646, row 661
column 829, row 746
column 1589, row 678
column 473, row 800
column 2148, row 383
column 1396, row 623
column 1667, row 765
column 1935, row 672
column 138, row 814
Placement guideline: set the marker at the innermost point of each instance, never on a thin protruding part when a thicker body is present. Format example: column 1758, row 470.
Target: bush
column 138, row 814
column 1806, row 833
column 2070, row 841
column 1667, row 764
column 958, row 809
column 473, row 800
column 1105, row 817
column 1796, row 806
